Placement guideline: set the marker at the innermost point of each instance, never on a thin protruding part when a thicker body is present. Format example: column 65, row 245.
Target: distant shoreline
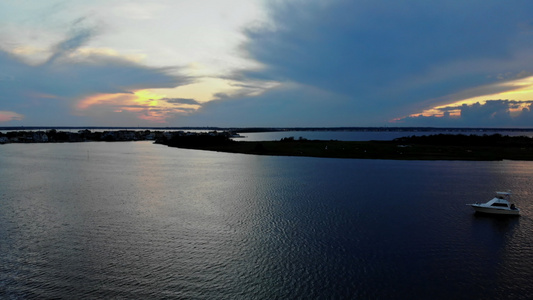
column 431, row 147
column 269, row 129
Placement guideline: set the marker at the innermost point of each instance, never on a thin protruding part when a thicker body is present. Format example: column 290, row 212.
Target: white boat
column 499, row 205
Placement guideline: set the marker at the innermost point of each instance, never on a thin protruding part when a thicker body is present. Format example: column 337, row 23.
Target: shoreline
column 493, row 147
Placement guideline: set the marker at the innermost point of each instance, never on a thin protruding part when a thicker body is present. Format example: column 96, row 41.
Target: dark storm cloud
column 390, row 56
column 281, row 107
column 358, row 46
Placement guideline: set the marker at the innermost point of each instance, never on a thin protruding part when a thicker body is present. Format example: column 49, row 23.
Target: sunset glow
column 147, row 104
column 520, row 90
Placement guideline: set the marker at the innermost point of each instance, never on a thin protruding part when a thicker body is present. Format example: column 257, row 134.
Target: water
column 134, row 220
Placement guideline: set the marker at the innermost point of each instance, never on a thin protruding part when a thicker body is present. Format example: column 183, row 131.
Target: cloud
column 71, row 44
column 6, row 116
column 493, row 113
column 69, row 76
column 392, row 58
column 317, row 63
column 290, row 105
column 180, row 101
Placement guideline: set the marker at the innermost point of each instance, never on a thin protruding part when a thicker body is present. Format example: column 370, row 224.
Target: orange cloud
column 146, row 104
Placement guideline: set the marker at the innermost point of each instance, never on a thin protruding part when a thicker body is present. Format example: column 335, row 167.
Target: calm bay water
column 136, row 220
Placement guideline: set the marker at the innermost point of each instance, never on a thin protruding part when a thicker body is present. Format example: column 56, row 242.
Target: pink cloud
column 6, row 116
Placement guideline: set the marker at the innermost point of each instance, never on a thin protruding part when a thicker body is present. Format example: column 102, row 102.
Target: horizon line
column 336, row 128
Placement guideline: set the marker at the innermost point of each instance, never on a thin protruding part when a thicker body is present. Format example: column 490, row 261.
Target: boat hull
column 495, row 211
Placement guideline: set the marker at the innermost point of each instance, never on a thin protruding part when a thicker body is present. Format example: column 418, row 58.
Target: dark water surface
column 135, row 220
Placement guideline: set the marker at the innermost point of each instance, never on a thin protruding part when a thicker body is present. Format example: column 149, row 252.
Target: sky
column 259, row 63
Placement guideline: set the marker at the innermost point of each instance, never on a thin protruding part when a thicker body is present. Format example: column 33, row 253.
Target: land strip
column 438, row 147
column 431, row 147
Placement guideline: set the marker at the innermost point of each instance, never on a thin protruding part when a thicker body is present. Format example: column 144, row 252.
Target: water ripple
column 162, row 223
